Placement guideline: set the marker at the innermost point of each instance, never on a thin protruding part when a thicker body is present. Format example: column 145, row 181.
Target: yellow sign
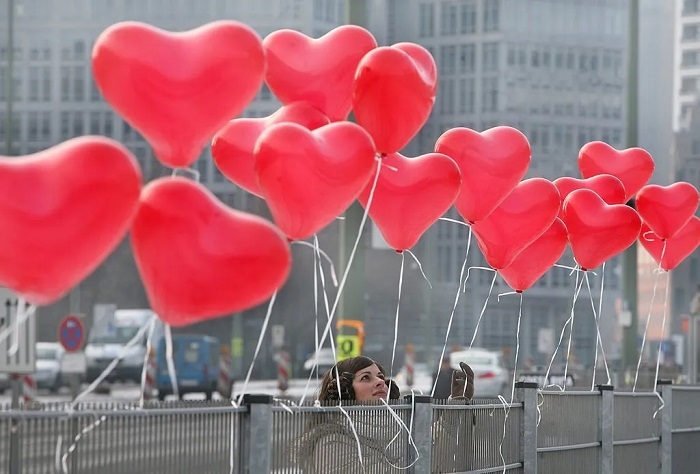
column 348, row 346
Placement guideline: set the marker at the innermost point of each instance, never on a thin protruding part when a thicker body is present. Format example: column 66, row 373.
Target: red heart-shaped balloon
column 537, row 258
column 666, row 209
column 393, row 94
column 178, row 89
column 598, row 231
column 492, row 164
column 633, row 166
column 62, row 211
column 678, row 247
column 200, row 259
column 519, row 220
column 411, row 194
column 319, row 71
column 232, row 147
column 607, row 186
column 310, row 177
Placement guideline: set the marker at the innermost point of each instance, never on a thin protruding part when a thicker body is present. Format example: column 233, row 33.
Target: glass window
column 489, row 99
column 448, row 19
column 33, row 94
column 46, row 126
column 33, row 126
column 467, row 96
column 468, row 17
column 689, row 59
column 427, row 20
column 490, row 57
column 467, row 58
column 491, row 15
column 78, row 84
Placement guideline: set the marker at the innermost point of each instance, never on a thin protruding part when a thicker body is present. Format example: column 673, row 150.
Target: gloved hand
column 462, row 383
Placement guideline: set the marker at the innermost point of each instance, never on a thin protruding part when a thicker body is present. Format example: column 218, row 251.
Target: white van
column 108, row 338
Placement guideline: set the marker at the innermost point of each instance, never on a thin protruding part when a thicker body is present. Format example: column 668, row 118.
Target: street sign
column 71, row 333
column 23, row 360
column 348, row 346
column 73, row 363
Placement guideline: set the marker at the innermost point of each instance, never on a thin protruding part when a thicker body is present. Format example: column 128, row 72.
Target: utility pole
column 352, row 301
column 9, row 78
column 629, row 259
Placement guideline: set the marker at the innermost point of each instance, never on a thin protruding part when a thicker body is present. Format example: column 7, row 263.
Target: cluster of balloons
column 68, row 207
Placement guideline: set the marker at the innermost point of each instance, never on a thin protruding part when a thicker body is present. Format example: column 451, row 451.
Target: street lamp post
column 9, row 77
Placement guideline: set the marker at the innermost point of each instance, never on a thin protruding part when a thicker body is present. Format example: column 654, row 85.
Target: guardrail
column 540, row 432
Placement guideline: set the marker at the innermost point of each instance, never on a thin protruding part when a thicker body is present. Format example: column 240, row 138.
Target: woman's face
column 369, row 384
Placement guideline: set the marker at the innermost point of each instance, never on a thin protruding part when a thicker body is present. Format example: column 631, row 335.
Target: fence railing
column 539, row 432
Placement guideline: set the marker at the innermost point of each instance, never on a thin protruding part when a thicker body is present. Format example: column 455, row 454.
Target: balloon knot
column 398, row 251
column 520, row 292
column 584, row 269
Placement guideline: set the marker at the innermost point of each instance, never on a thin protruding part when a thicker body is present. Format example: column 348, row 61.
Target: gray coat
column 330, row 446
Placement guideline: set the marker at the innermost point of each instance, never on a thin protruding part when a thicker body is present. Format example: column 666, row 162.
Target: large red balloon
column 607, row 186
column 199, row 259
column 310, row 177
column 666, row 209
column 178, row 89
column 62, row 211
column 232, row 147
column 492, row 164
column 678, row 247
column 633, row 166
column 536, row 258
column 518, row 221
column 598, row 231
column 393, row 94
column 411, row 194
column 318, row 71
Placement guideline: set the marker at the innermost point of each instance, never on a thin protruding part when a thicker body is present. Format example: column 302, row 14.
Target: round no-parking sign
column 71, row 333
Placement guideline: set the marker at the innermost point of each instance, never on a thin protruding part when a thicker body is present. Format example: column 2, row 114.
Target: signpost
column 71, row 335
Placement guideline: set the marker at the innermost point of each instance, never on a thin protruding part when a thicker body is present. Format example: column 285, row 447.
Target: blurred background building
column 555, row 69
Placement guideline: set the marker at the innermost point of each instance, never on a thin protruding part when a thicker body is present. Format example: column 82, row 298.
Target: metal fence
column 540, row 432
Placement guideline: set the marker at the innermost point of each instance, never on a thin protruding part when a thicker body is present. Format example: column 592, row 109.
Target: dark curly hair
column 344, row 371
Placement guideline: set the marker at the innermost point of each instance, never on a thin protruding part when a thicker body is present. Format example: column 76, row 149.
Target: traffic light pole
column 629, row 259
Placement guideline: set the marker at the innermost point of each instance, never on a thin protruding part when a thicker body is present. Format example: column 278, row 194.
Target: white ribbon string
column 402, row 426
column 20, row 312
column 20, row 318
column 170, row 362
column 646, row 327
column 658, row 355
column 263, row 330
column 346, row 271
column 396, row 322
column 599, row 340
column 483, row 310
column 319, row 252
column 105, row 373
column 420, row 267
column 144, row 371
column 462, row 281
column 78, row 437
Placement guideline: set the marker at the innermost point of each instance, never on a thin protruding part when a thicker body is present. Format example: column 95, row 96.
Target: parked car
column 324, row 362
column 196, row 361
column 491, row 377
column 4, row 382
column 48, row 366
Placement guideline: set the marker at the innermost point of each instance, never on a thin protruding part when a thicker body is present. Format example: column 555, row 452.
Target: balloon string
column 483, row 310
column 186, row 171
column 454, row 221
column 420, row 267
column 76, row 440
column 396, row 320
column 346, row 271
column 105, row 373
column 321, row 253
column 462, row 281
column 322, row 277
column 257, row 347
column 574, row 269
column 646, row 327
column 19, row 313
column 474, row 268
column 20, row 318
column 146, row 360
column 170, row 362
column 599, row 341
column 658, row 355
column 579, row 284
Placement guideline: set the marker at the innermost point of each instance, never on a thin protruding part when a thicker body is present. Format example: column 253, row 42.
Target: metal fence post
column 607, row 432
column 527, row 394
column 15, row 435
column 666, row 445
column 422, row 432
column 259, row 443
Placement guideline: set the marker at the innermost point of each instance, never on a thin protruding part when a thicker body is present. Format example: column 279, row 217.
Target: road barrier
column 600, row 431
column 224, row 382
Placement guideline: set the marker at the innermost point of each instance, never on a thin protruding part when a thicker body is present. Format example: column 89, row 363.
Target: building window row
column 458, row 17
column 595, row 61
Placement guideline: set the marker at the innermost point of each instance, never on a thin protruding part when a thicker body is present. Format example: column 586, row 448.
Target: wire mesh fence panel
column 370, row 438
column 484, row 435
column 571, row 461
column 686, row 429
column 115, row 439
column 636, row 433
column 568, row 418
